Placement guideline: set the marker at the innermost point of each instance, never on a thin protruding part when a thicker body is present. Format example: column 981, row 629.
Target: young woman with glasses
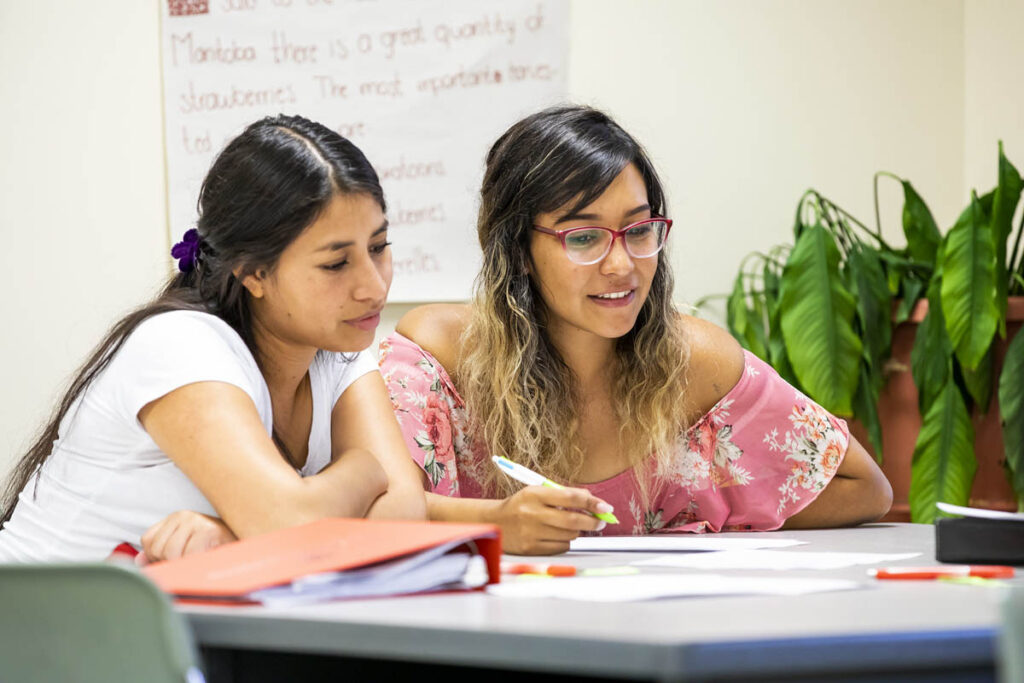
column 243, row 391
column 573, row 362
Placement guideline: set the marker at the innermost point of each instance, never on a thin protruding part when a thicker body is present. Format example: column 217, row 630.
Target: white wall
column 82, row 215
column 994, row 93
column 743, row 105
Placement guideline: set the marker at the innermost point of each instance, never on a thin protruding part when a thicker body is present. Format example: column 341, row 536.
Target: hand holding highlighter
column 531, row 478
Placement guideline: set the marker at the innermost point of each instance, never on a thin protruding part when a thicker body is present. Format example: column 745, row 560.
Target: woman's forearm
column 345, row 488
column 399, row 502
column 844, row 502
column 447, row 509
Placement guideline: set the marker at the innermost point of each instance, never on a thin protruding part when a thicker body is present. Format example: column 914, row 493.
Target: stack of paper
column 337, row 558
column 427, row 571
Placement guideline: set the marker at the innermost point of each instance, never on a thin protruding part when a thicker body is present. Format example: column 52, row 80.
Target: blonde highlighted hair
column 523, row 399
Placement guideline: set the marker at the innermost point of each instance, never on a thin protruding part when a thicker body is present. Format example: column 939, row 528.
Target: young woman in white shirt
column 243, row 392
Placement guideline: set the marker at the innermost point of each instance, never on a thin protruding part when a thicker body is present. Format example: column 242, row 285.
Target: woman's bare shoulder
column 716, row 363
column 437, row 329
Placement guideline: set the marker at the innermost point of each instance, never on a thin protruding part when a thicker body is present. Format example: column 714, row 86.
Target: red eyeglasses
column 590, row 244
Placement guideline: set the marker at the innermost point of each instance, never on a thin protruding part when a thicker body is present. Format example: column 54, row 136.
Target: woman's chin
column 349, row 344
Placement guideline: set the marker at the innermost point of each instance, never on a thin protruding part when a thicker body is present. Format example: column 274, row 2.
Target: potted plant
column 823, row 311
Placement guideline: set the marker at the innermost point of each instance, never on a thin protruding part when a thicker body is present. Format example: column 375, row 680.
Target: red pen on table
column 981, row 571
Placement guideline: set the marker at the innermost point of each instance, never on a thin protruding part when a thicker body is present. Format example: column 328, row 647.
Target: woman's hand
column 539, row 520
column 182, row 533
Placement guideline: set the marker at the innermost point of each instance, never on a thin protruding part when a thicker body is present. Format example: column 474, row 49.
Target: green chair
column 90, row 622
column 1011, row 637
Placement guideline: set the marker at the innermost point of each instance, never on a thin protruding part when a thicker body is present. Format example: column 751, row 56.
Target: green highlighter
column 531, row 478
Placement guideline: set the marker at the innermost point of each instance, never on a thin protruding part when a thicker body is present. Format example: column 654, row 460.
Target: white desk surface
column 888, row 623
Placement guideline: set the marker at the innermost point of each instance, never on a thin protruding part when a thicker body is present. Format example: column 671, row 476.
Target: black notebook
column 979, row 536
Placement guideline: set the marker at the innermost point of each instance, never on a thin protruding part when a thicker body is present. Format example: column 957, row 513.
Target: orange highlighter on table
column 979, row 571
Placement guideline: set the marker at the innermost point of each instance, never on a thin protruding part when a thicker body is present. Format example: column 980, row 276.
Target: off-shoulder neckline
column 741, row 385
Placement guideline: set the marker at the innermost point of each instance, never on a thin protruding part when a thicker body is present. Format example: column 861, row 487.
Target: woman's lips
column 367, row 323
column 614, row 303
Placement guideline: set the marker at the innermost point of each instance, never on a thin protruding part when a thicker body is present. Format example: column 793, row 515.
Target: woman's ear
column 253, row 282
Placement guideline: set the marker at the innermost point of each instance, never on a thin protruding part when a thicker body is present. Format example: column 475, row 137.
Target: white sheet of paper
column 654, row 586
column 771, row 559
column 678, row 543
column 951, row 509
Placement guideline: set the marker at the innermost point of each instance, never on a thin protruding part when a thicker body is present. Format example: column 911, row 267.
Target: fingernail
column 604, row 507
column 602, row 525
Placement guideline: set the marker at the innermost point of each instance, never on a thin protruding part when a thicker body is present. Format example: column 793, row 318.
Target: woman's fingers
column 183, row 533
column 563, row 508
column 177, row 541
column 154, row 540
column 571, row 520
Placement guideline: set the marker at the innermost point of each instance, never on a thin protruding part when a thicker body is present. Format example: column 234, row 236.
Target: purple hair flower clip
column 187, row 250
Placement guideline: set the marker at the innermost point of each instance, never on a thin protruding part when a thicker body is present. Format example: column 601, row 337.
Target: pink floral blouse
column 759, row 456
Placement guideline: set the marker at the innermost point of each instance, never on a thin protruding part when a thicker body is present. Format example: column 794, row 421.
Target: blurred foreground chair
column 1011, row 638
column 90, row 622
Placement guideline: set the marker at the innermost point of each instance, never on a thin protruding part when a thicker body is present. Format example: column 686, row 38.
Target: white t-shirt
column 106, row 481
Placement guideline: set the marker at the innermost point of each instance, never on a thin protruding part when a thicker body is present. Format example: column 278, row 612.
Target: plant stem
column 876, row 235
column 878, row 214
column 840, row 230
column 1016, row 279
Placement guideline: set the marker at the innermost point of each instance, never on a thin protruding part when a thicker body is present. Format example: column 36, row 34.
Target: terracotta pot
column 901, row 422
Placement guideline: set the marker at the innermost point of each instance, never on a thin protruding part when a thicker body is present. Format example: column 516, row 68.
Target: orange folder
column 232, row 571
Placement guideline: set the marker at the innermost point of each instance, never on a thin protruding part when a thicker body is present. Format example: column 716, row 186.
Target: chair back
column 1011, row 637
column 90, row 622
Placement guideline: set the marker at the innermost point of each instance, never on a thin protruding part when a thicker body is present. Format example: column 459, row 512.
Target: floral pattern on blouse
column 759, row 456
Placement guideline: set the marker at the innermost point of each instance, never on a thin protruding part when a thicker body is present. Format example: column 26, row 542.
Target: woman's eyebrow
column 575, row 216
column 335, row 246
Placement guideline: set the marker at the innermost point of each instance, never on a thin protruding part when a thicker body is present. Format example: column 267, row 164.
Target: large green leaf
column 912, row 289
column 771, row 296
column 1004, row 203
column 969, row 285
column 919, row 226
column 746, row 325
column 816, row 317
column 759, row 342
column 944, row 464
column 1007, row 194
column 979, row 381
column 932, row 352
column 736, row 309
column 1011, row 409
column 778, row 357
column 865, row 407
column 874, row 310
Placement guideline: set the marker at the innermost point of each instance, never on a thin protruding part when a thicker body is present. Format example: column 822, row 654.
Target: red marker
column 981, row 571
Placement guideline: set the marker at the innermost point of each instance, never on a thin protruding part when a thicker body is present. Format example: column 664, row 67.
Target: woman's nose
column 618, row 259
column 372, row 284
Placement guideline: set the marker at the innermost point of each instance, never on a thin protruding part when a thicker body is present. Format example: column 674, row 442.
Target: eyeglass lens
column 591, row 244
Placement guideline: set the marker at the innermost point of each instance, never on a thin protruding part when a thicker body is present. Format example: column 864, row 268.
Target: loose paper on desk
column 654, row 586
column 951, row 509
column 676, row 543
column 771, row 559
